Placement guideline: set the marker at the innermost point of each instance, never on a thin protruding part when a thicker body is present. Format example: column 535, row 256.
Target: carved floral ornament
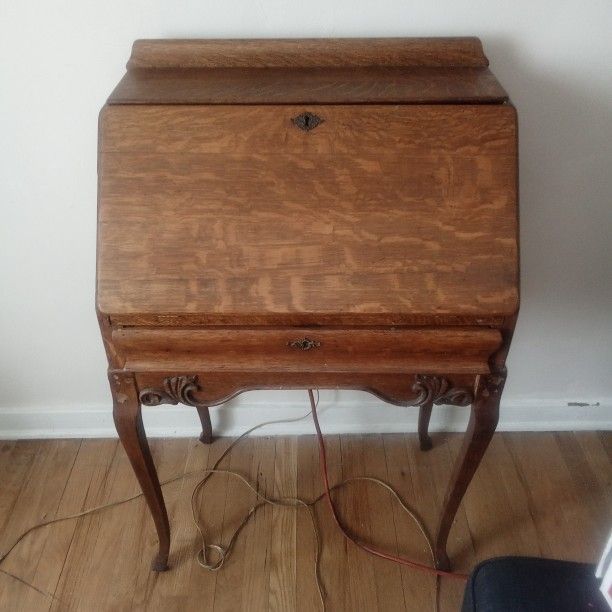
column 176, row 390
column 438, row 390
column 428, row 389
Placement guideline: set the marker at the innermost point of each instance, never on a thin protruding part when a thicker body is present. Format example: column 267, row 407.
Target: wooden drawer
column 316, row 350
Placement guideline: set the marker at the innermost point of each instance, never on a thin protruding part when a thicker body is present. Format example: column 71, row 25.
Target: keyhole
column 307, row 121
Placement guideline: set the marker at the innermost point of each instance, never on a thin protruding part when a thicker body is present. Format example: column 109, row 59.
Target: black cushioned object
column 528, row 584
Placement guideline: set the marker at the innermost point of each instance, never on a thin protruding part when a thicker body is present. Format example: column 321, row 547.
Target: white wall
column 59, row 60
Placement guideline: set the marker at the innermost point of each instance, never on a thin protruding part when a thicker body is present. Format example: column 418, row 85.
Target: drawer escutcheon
column 307, row 121
column 304, row 344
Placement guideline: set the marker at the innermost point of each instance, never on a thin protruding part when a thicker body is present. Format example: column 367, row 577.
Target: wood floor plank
column 591, row 505
column 124, row 540
column 606, row 441
column 112, row 543
column 599, row 460
column 229, row 582
column 308, row 486
column 6, row 448
column 17, row 459
column 562, row 521
column 38, row 500
column 283, row 532
column 494, row 507
column 197, row 585
column 257, row 535
column 361, row 574
column 426, row 484
column 94, row 462
column 61, row 535
column 538, row 493
column 410, row 542
column 382, row 534
column 335, row 557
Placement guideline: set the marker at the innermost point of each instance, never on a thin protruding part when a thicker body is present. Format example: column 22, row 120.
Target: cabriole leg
column 128, row 421
column 204, row 414
column 483, row 421
column 424, row 416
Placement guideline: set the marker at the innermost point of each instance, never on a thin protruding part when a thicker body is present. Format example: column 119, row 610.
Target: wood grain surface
column 307, row 52
column 385, row 212
column 541, row 494
column 263, row 223
column 309, row 71
column 387, row 85
column 341, row 350
column 219, row 386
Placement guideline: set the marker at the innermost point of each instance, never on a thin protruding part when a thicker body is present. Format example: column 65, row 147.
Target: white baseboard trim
column 356, row 414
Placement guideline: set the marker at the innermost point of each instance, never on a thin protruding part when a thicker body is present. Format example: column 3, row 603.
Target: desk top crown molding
column 465, row 52
column 315, row 71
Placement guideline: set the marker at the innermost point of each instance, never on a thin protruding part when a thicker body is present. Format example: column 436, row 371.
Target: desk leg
column 204, row 414
column 481, row 427
column 424, row 417
column 128, row 421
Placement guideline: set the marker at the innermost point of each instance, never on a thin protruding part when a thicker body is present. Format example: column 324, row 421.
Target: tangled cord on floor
column 223, row 552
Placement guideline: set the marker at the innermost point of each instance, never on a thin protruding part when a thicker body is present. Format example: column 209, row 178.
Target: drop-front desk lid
column 340, row 182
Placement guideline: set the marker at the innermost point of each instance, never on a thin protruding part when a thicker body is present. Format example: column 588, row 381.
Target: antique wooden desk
column 307, row 213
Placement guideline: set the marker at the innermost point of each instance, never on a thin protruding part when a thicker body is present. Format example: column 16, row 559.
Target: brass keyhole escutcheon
column 307, row 121
column 304, row 344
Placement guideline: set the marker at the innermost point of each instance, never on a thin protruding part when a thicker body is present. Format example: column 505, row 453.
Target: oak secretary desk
column 333, row 213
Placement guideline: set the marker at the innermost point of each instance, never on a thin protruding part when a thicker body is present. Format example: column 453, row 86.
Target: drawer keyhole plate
column 304, row 344
column 307, row 121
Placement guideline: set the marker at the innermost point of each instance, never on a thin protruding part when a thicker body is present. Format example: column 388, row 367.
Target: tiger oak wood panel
column 341, row 350
column 318, row 71
column 387, row 212
column 309, row 86
column 307, row 52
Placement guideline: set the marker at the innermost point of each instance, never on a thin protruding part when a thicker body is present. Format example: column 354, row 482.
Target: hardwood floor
column 535, row 494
